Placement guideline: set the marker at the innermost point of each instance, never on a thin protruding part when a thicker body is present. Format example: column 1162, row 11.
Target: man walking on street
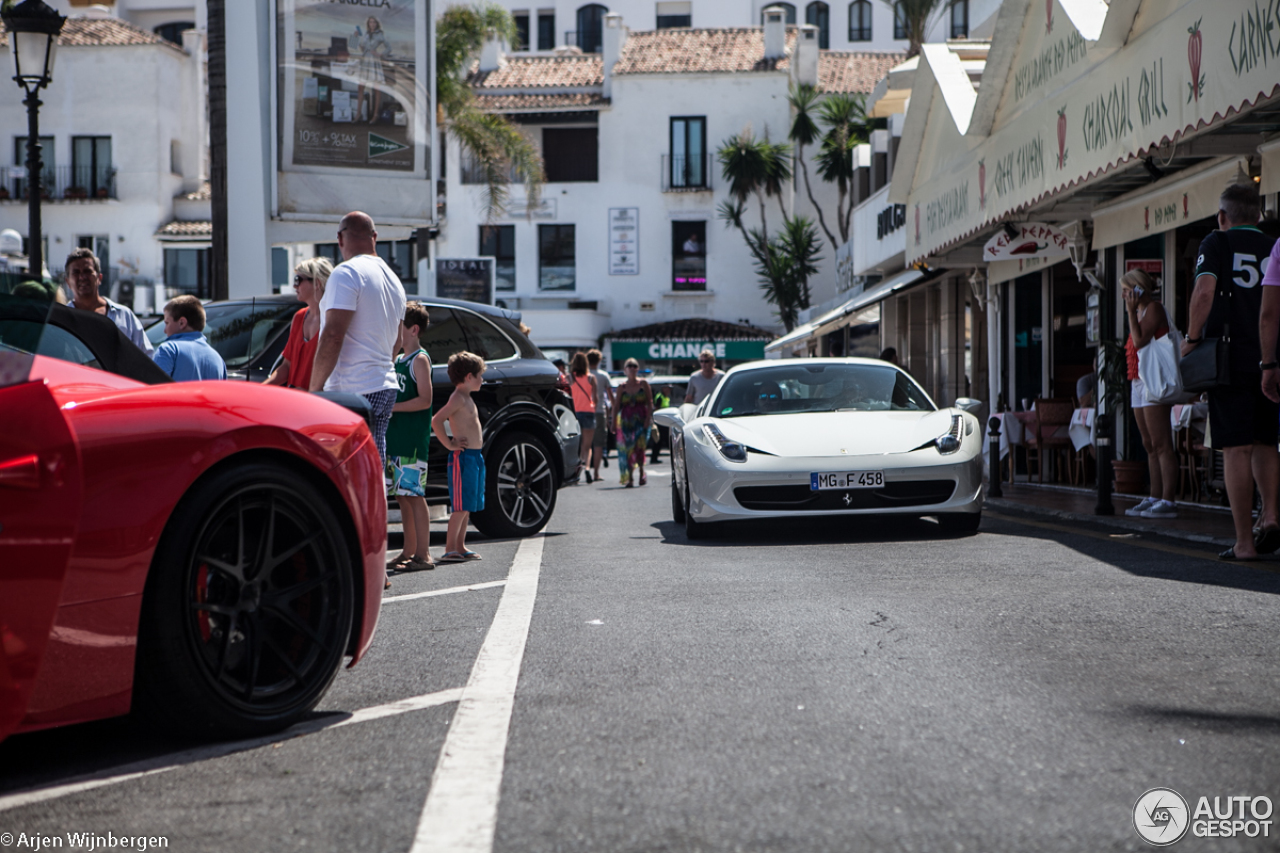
column 84, row 276
column 702, row 383
column 360, row 318
column 1243, row 422
column 604, row 411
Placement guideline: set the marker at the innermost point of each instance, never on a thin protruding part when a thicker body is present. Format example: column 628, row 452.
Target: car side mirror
column 669, row 417
column 970, row 405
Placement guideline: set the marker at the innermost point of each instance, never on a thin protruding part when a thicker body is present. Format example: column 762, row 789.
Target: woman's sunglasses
column 299, row 279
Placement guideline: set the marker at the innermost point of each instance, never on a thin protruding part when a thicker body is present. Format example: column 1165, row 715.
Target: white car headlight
column 731, row 450
column 949, row 441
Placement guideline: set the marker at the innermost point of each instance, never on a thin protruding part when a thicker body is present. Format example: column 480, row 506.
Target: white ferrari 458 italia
column 818, row 437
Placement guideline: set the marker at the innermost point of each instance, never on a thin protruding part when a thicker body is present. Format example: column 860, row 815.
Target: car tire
column 248, row 607
column 677, row 505
column 693, row 529
column 520, row 487
column 961, row 523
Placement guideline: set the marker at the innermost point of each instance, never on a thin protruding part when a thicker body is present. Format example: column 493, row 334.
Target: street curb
column 1119, row 522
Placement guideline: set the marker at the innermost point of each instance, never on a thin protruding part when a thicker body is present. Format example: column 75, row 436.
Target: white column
column 249, row 128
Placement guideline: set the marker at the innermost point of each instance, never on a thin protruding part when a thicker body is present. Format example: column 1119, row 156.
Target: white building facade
column 124, row 134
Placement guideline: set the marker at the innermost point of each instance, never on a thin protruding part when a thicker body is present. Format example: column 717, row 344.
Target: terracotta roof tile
column 694, row 328
column 681, row 51
column 186, row 229
column 203, row 194
column 101, row 32
column 539, row 102
column 541, row 72
column 854, row 71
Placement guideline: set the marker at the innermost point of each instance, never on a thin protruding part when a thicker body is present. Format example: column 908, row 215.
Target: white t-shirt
column 367, row 286
column 701, row 387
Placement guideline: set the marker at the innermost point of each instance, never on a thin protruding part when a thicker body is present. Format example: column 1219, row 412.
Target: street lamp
column 33, row 28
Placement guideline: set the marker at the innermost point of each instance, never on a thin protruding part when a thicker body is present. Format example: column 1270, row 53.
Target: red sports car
column 206, row 553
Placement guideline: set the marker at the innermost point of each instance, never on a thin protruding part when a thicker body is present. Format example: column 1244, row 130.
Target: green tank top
column 409, row 433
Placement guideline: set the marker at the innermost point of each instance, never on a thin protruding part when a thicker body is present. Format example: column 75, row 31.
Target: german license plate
column 846, row 480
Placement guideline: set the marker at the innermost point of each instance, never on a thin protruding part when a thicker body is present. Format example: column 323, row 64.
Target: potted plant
column 102, row 192
column 75, row 193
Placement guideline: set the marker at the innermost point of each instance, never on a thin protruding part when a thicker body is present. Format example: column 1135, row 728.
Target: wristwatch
column 1193, row 340
column 1267, row 365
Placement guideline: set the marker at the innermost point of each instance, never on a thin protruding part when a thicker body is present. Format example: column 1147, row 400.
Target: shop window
column 400, row 255
column 590, row 33
column 557, row 268
column 671, row 15
column 688, row 151
column 960, row 19
column 860, row 20
column 91, row 164
column 818, row 14
column 899, row 21
column 173, row 32
column 786, row 7
column 688, row 255
column 522, row 31
column 187, row 270
column 546, row 30
column 570, row 153
column 499, row 241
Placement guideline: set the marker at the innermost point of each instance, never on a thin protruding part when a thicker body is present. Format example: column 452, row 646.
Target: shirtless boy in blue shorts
column 466, row 464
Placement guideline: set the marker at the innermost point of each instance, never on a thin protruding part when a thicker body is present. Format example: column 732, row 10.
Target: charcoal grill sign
column 470, row 279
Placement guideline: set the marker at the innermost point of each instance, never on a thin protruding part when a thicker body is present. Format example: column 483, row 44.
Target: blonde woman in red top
column 294, row 371
column 583, row 387
column 1148, row 322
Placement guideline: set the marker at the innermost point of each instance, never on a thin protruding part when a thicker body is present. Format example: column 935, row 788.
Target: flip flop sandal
column 451, row 557
column 416, row 565
column 471, row 556
column 398, row 563
column 1267, row 540
column 1229, row 556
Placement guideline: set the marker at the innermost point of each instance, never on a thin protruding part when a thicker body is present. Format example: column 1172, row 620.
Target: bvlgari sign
column 1071, row 112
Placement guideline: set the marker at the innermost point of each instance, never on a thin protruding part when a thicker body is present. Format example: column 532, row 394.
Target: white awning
column 885, row 289
column 799, row 333
column 1176, row 200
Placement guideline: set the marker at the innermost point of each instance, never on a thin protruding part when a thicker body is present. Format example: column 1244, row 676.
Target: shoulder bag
column 1208, row 366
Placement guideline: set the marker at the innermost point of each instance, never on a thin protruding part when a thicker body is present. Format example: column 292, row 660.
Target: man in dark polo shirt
column 1243, row 423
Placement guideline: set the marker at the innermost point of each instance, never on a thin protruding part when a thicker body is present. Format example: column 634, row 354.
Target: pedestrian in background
column 635, row 416
column 582, row 385
column 408, row 439
column 604, row 409
column 1148, row 322
column 1243, row 421
column 661, row 399
column 185, row 354
column 890, row 354
column 294, row 370
column 360, row 319
column 84, row 276
column 705, row 379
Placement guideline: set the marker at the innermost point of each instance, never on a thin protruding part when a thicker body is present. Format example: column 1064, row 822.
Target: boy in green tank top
column 408, row 437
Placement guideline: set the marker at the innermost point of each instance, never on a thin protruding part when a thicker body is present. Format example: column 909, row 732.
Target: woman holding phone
column 1148, row 322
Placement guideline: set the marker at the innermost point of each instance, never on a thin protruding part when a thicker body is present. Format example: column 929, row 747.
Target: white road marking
column 449, row 591
column 461, row 811
column 174, row 760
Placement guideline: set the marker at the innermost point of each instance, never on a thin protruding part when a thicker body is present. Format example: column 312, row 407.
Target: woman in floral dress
column 635, row 419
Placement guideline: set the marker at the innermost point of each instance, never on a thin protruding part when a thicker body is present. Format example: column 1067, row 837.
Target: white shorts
column 1138, row 395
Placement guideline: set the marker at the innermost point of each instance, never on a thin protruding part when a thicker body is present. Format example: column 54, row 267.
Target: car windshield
column 809, row 387
column 239, row 331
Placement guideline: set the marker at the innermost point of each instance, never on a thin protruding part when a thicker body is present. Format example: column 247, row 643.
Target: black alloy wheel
column 249, row 605
column 520, row 487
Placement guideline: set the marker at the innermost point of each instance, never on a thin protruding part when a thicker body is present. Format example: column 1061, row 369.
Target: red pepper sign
column 1195, row 45
column 1032, row 240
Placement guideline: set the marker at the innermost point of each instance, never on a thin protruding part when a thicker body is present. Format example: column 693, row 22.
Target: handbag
column 1208, row 366
column 1158, row 368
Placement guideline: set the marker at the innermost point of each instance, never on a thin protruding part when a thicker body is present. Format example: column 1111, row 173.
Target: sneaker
column 1138, row 510
column 1161, row 509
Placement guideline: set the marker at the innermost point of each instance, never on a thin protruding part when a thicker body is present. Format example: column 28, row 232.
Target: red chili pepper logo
column 1029, row 248
column 1195, row 46
column 1062, row 137
column 982, row 184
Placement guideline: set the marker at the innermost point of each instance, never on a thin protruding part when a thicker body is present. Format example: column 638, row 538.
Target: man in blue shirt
column 185, row 354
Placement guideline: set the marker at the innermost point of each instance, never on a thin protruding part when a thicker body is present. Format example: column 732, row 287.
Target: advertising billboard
column 466, row 278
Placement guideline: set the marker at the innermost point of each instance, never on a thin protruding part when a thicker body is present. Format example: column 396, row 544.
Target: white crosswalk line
column 449, row 591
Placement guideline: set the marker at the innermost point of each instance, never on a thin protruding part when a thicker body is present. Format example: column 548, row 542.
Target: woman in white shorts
column 1148, row 322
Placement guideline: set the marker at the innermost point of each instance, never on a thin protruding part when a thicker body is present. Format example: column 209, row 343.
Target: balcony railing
column 63, row 183
column 683, row 174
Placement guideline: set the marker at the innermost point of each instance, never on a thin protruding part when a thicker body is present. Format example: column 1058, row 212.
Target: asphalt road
column 858, row 685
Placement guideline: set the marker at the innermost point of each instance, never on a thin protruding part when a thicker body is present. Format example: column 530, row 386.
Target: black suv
column 531, row 434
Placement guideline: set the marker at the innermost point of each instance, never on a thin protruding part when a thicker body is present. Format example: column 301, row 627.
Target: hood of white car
column 836, row 433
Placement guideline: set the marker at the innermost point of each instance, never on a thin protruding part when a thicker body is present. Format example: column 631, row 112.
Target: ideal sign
column 1031, row 240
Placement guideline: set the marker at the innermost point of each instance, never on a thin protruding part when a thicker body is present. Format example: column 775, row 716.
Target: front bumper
column 777, row 487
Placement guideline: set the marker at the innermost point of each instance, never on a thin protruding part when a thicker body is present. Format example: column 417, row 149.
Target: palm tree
column 916, row 17
column 496, row 146
column 838, row 123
